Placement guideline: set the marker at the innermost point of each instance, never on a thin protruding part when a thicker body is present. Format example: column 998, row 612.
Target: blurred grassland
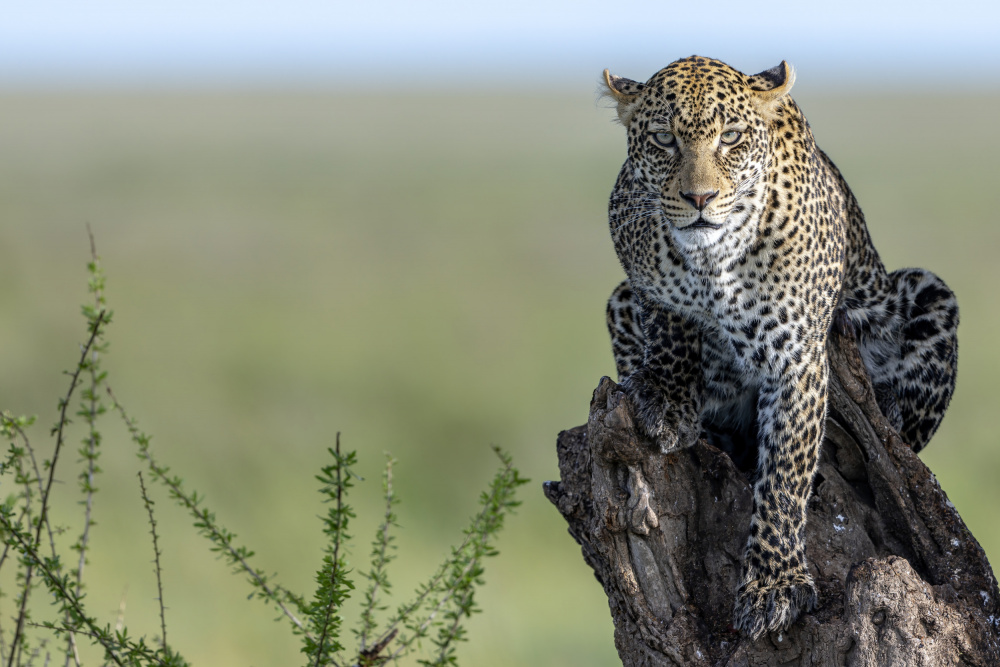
column 426, row 274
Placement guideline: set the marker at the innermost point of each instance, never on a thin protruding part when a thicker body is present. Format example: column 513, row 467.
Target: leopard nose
column 699, row 201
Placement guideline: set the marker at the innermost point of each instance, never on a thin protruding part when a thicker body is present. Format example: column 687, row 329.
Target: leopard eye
column 665, row 139
column 731, row 137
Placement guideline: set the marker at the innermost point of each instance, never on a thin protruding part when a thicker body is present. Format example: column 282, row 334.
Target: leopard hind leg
column 914, row 367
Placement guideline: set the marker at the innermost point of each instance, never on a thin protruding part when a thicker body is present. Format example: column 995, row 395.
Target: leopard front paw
column 655, row 415
column 763, row 606
column 651, row 410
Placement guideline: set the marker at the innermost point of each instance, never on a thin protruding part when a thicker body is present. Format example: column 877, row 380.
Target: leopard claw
column 765, row 607
column 651, row 410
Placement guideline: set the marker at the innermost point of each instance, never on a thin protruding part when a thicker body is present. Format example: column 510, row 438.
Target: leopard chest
column 758, row 309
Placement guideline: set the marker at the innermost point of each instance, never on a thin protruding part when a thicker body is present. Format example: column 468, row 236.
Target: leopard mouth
column 702, row 223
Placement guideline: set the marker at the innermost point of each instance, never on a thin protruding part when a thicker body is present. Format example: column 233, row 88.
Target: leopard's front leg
column 776, row 586
column 658, row 355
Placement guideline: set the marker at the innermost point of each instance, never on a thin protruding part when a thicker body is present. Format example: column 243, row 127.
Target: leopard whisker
column 635, row 194
column 638, row 217
column 746, row 186
column 648, row 206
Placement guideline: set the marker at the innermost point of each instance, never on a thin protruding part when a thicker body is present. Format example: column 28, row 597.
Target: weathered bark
column 901, row 579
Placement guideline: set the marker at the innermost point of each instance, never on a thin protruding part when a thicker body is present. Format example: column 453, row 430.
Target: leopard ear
column 773, row 84
column 625, row 92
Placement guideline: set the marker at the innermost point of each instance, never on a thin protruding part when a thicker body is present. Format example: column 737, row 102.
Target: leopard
column 743, row 246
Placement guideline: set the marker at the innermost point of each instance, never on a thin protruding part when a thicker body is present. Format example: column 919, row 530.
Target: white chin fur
column 696, row 237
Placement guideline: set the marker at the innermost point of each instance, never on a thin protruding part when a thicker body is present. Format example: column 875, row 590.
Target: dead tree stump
column 901, row 579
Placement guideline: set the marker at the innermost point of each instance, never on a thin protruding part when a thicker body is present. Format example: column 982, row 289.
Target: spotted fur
column 742, row 245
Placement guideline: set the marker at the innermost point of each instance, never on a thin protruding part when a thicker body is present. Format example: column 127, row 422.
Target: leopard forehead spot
column 697, row 93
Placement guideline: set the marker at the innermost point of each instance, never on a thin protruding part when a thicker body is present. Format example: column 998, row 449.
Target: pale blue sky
column 390, row 42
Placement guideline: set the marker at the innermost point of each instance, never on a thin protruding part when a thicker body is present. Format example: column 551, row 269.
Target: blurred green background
column 425, row 274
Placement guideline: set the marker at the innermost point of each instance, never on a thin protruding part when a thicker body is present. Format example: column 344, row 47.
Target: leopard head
column 698, row 142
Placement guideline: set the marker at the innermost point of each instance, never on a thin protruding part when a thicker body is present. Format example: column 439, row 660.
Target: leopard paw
column 765, row 606
column 654, row 415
